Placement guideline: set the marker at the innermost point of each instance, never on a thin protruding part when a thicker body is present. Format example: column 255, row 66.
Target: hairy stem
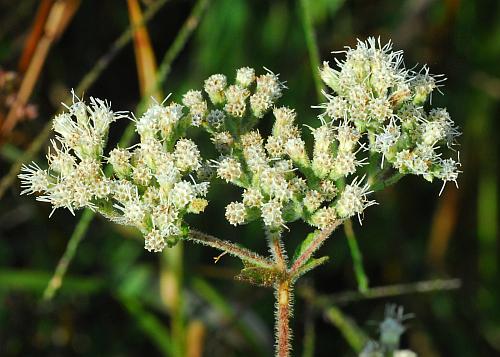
column 320, row 238
column 277, row 250
column 233, row 249
column 284, row 309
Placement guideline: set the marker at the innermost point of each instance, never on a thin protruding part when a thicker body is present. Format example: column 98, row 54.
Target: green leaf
column 310, row 265
column 258, row 276
column 304, row 245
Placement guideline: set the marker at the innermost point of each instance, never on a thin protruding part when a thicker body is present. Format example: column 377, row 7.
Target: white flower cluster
column 378, row 97
column 150, row 185
column 373, row 124
column 282, row 184
column 375, row 121
column 231, row 106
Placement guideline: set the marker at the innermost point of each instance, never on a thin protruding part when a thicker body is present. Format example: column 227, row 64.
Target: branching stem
column 320, row 238
column 233, row 249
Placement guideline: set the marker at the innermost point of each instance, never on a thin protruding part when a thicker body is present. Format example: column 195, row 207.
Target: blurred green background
column 119, row 300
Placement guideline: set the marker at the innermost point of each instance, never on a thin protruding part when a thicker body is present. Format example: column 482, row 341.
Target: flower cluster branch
column 375, row 126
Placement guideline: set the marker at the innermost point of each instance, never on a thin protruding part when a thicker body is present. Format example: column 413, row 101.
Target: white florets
column 235, row 213
column 229, row 169
column 187, row 156
column 353, row 199
column 272, row 214
column 245, row 76
column 154, row 241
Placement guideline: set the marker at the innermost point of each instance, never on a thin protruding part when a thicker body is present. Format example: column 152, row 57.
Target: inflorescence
column 373, row 124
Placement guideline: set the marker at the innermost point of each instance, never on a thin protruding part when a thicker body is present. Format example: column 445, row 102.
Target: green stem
column 309, row 333
column 171, row 285
column 353, row 334
column 312, row 45
column 357, row 257
column 379, row 292
column 62, row 266
column 186, row 30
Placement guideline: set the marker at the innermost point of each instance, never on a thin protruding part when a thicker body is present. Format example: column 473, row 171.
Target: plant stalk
column 233, row 249
column 284, row 309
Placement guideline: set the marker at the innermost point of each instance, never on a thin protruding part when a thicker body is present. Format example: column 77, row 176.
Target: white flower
column 347, row 137
column 345, row 163
column 236, row 96
column 167, row 174
column 353, row 199
column 260, row 103
column 245, row 76
column 154, row 241
column 181, row 194
column 187, row 156
column 165, row 218
column 313, row 200
column 120, row 160
column 336, row 107
column 324, row 217
column 61, row 161
column 256, row 158
column 148, row 124
column 271, row 214
column 192, row 98
column 134, row 211
column 34, row 179
column 252, row 197
column 386, row 140
column 296, row 149
column 214, row 86
column 229, row 169
column 236, row 213
column 448, row 172
column 269, row 84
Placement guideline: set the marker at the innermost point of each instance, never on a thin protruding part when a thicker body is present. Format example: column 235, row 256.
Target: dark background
column 111, row 301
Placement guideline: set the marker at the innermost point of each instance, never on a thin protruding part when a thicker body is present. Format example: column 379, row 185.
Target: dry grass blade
column 144, row 54
column 35, row 34
column 445, row 219
column 196, row 333
column 59, row 16
column 87, row 81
